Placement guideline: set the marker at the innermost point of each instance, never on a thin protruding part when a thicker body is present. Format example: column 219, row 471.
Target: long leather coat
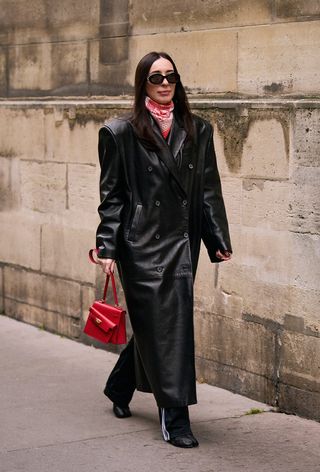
column 156, row 206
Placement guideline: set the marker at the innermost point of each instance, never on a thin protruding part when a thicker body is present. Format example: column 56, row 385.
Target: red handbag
column 106, row 323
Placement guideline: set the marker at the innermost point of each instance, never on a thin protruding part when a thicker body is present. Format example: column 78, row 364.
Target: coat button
column 190, row 166
column 185, row 235
column 149, row 168
column 160, row 269
column 157, row 236
column 157, row 203
column 184, row 203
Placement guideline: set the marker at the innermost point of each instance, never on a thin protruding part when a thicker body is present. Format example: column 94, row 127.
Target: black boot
column 121, row 412
column 188, row 440
column 175, row 425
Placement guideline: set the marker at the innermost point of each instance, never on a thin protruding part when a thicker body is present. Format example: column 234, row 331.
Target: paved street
column 55, row 418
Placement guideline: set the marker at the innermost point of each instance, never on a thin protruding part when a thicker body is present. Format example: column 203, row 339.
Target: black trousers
column 120, row 388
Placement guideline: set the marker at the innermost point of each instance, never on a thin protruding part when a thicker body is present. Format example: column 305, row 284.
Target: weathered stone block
column 83, row 187
column 265, row 203
column 231, row 130
column 22, row 133
column 228, row 305
column 88, row 296
column 267, row 301
column 21, row 240
column 64, row 20
column 78, row 20
column 3, row 72
column 43, row 291
column 15, row 15
column 43, row 186
column 27, row 313
column 305, row 261
column 64, row 252
column 68, row 65
column 71, row 140
column 232, row 190
column 218, row 139
column 114, row 50
column 305, row 200
column 294, row 323
column 296, row 8
column 268, row 252
column 246, row 346
column 103, row 72
column 30, row 67
column 301, row 402
column 204, row 46
column 207, row 297
column 9, row 183
column 33, row 315
column 67, row 326
column 205, row 282
column 240, row 381
column 305, row 302
column 306, row 137
column 264, row 151
column 1, row 291
column 152, row 16
column 279, row 59
column 44, row 319
column 300, row 361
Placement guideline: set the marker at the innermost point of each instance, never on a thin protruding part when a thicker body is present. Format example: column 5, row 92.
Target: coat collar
column 167, row 151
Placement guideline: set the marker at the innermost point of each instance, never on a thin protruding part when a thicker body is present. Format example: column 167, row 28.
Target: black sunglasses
column 157, row 79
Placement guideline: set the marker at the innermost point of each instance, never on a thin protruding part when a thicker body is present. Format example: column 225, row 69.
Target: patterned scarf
column 163, row 114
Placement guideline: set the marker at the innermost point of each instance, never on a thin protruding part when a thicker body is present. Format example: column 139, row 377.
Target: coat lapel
column 176, row 138
column 168, row 151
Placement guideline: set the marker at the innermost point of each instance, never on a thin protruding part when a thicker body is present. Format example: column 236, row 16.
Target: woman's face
column 162, row 93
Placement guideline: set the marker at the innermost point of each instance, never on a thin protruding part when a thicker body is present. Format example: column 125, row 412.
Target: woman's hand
column 224, row 256
column 108, row 265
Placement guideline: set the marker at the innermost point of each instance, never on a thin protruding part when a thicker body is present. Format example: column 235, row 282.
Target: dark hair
column 140, row 118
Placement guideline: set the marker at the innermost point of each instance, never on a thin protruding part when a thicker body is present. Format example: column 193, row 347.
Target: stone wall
column 67, row 47
column 252, row 69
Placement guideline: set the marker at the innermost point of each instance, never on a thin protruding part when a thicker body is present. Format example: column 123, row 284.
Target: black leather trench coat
column 156, row 206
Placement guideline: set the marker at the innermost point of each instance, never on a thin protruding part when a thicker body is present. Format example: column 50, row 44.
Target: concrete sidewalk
column 55, row 418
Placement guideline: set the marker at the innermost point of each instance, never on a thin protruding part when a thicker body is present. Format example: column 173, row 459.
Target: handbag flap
column 101, row 319
column 112, row 312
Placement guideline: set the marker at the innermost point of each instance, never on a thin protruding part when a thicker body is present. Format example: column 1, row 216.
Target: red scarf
column 163, row 114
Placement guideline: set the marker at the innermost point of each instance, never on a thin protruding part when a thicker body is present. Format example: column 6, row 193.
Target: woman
column 160, row 195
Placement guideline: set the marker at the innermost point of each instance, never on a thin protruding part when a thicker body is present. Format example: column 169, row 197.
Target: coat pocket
column 135, row 223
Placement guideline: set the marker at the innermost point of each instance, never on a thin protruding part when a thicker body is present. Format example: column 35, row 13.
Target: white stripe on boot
column 165, row 432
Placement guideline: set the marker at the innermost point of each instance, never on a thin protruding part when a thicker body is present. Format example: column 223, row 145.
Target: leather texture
column 186, row 441
column 121, row 411
column 156, row 206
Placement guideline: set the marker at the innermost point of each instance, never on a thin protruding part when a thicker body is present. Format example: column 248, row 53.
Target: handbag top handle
column 114, row 289
column 115, row 296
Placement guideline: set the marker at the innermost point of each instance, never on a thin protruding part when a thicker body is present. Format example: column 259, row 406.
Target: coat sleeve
column 111, row 195
column 215, row 230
